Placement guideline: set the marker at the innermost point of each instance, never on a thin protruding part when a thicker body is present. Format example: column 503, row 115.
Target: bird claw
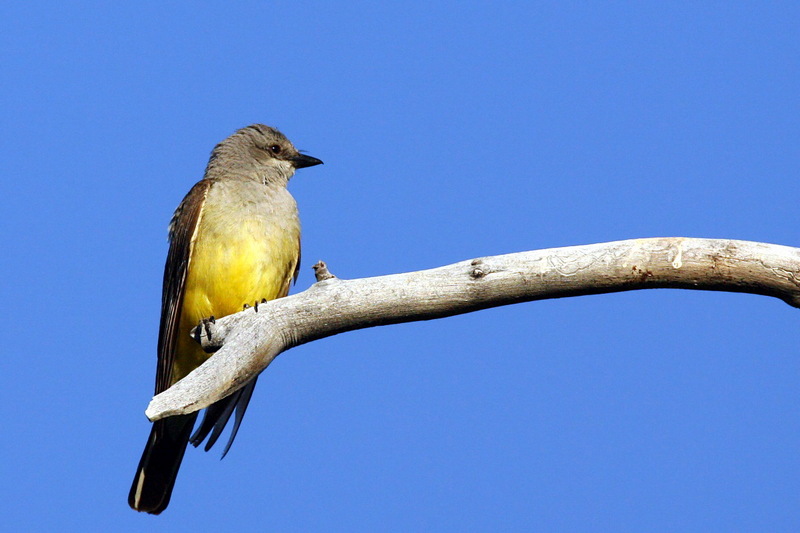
column 263, row 301
column 205, row 326
column 207, row 323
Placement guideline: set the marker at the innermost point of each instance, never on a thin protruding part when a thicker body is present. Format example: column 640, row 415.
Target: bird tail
column 218, row 414
column 158, row 468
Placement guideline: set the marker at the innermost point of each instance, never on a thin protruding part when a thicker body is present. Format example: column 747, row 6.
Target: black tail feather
column 211, row 416
column 158, row 467
column 241, row 407
column 217, row 415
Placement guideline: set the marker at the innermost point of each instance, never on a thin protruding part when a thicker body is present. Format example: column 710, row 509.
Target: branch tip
column 321, row 271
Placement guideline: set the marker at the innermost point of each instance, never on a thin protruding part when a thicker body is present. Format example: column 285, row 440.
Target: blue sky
column 449, row 130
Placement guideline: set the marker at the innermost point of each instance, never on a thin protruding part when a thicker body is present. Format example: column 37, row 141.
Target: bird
column 234, row 241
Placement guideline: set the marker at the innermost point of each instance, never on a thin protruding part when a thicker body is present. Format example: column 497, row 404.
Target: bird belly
column 232, row 265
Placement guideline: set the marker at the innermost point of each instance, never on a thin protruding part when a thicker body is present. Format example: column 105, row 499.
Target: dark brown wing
column 296, row 267
column 181, row 231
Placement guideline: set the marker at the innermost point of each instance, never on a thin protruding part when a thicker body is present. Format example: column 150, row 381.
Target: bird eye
column 275, row 149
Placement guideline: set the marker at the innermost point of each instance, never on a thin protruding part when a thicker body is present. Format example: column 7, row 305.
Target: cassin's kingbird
column 234, row 240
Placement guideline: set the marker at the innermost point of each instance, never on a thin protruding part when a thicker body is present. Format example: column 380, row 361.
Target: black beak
column 303, row 161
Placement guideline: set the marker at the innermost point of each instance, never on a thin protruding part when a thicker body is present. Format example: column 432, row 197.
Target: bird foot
column 204, row 333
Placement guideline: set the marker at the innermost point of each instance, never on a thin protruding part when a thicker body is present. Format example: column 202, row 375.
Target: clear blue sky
column 449, row 131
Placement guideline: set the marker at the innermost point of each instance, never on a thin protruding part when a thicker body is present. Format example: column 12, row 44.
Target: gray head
column 257, row 152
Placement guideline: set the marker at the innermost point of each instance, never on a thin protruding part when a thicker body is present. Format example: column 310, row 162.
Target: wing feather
column 182, row 231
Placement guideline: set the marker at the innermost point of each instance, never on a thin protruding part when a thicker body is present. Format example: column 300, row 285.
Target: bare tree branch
column 248, row 341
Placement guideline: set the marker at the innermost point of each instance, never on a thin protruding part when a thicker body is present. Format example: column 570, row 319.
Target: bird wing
column 182, row 231
column 296, row 268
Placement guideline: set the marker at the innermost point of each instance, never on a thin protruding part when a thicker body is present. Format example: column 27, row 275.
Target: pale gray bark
column 250, row 340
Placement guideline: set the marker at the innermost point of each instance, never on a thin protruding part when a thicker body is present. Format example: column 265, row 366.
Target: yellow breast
column 245, row 249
